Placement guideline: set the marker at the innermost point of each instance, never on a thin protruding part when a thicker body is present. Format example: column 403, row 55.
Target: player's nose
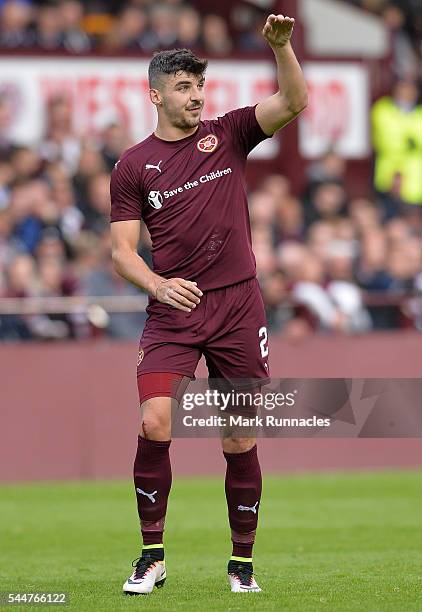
column 197, row 94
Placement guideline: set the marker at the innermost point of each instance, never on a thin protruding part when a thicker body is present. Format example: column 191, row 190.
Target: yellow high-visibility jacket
column 397, row 141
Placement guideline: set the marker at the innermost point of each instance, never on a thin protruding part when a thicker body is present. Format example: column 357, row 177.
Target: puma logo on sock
column 150, row 495
column 248, row 508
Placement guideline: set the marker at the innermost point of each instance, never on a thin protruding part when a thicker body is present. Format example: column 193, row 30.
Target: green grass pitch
column 326, row 542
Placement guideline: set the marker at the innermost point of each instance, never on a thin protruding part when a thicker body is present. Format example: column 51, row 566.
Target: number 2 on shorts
column 263, row 343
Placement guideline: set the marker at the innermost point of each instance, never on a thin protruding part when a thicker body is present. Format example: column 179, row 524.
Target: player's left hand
column 278, row 30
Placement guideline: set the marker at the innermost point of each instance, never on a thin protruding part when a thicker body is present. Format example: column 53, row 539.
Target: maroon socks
column 243, row 493
column 152, row 478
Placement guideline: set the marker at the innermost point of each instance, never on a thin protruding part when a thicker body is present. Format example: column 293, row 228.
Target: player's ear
column 155, row 97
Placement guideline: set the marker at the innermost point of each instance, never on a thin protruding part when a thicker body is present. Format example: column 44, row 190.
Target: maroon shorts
column 228, row 327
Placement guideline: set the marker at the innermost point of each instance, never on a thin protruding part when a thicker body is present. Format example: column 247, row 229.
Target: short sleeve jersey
column 191, row 194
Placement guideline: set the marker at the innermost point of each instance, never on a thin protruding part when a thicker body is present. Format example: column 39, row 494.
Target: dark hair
column 172, row 61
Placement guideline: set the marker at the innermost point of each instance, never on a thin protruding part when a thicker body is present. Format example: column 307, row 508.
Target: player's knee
column 154, row 429
column 238, row 445
column 155, row 423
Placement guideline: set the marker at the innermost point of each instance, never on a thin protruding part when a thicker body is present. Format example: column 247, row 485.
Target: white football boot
column 148, row 573
column 241, row 578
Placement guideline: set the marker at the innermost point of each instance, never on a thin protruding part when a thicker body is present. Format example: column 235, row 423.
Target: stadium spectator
column 277, row 185
column 91, row 163
column 287, row 212
column 319, row 235
column 70, row 219
column 189, row 29
column 328, row 201
column 405, row 60
column 397, row 140
column 97, row 278
column 365, row 214
column 15, row 19
column 331, row 167
column 25, row 163
column 247, row 21
column 75, row 39
column 49, row 34
column 115, row 139
column 289, row 220
column 60, row 142
column 162, row 31
column 216, row 38
column 98, row 202
column 129, row 32
column 6, row 144
column 21, row 276
column 8, row 247
column 27, row 225
column 21, row 282
column 275, row 294
column 333, row 306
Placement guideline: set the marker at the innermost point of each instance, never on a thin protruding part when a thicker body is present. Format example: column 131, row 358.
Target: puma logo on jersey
column 248, row 508
column 152, row 167
column 208, row 144
column 149, row 495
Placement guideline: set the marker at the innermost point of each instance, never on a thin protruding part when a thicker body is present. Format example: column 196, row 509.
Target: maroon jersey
column 191, row 195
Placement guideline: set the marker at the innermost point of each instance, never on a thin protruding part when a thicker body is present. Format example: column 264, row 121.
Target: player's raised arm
column 177, row 292
column 291, row 99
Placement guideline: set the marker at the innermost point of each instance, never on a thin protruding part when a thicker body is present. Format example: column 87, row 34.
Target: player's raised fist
column 278, row 30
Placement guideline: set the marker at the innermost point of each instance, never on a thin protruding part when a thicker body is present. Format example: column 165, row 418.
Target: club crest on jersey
column 208, row 144
column 155, row 199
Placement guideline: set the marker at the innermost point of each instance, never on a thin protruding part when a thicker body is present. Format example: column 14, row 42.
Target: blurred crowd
column 329, row 263
column 403, row 19
column 74, row 26
column 325, row 261
column 348, row 264
column 54, row 229
column 320, row 257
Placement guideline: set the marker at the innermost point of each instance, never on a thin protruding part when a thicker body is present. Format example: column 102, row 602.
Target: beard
column 182, row 119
